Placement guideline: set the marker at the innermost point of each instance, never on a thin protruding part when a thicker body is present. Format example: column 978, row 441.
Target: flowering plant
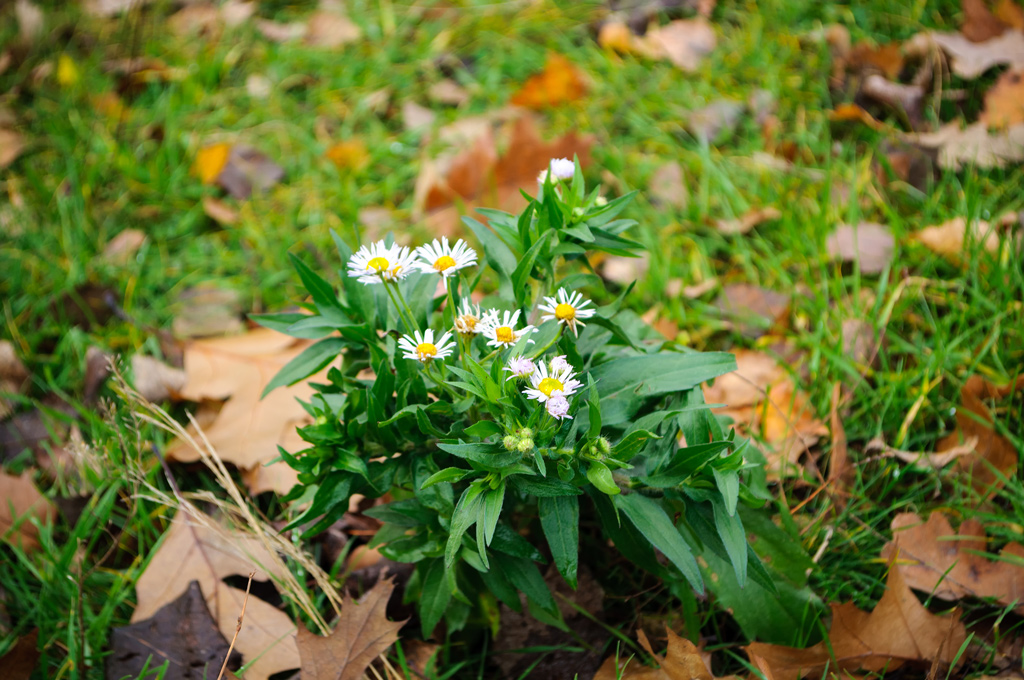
column 492, row 424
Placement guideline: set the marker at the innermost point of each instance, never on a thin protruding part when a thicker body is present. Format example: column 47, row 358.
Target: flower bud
column 510, row 442
column 604, row 447
column 525, row 445
column 526, row 432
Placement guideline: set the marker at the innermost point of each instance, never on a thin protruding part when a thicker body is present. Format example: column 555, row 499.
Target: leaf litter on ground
column 869, row 244
column 20, row 503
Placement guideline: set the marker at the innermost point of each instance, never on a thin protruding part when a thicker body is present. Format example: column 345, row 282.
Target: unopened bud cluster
column 521, row 441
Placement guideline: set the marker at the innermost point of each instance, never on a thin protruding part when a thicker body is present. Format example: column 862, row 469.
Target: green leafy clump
column 476, row 423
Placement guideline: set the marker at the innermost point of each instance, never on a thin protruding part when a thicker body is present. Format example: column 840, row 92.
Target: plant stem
column 401, row 306
column 545, row 348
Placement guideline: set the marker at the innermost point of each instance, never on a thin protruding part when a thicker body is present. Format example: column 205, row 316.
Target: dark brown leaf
column 248, row 170
column 362, row 633
column 979, row 23
column 182, row 632
column 868, row 244
column 19, row 499
column 21, row 659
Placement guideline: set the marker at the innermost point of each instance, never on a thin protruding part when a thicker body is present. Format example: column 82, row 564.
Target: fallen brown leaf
column 475, row 174
column 19, row 502
column 995, row 458
column 416, row 117
column 684, row 42
column 1010, row 13
column 886, row 59
column 247, row 430
column 191, row 551
column 248, row 170
column 13, row 376
column 950, row 238
column 868, row 244
column 155, row 380
column 979, row 23
column 11, row 146
column 349, row 155
column 969, row 59
column 109, row 8
column 1004, row 102
column 933, row 558
column 666, row 186
column 750, row 309
column 449, row 92
column 710, row 122
column 898, row 631
column 362, row 633
column 560, row 82
column 182, row 632
column 122, row 248
column 615, row 36
column 330, row 30
column 219, row 211
column 682, row 661
column 921, row 459
column 851, row 113
column 279, row 32
column 624, row 270
column 748, row 220
column 31, row 21
column 201, row 18
column 211, row 160
column 764, row 402
column 207, row 310
column 19, row 663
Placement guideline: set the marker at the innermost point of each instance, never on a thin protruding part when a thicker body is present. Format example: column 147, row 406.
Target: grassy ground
column 86, row 176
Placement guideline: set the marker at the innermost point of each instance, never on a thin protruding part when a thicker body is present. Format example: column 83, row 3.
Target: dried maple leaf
column 362, row 633
column 995, row 458
column 974, row 145
column 969, row 59
column 208, row 554
column 19, row 498
column 1004, row 102
column 763, row 400
column 868, row 244
column 898, row 631
column 247, row 430
column 682, row 661
column 560, row 82
column 182, row 632
column 933, row 558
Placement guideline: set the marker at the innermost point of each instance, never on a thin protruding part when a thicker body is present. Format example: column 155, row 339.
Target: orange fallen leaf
column 684, row 42
column 765, row 403
column 847, row 113
column 211, row 160
column 616, row 36
column 1004, row 102
column 219, row 211
column 950, row 238
column 995, row 458
column 933, row 558
column 1010, row 13
column 979, row 23
column 560, row 82
column 349, row 155
column 886, row 58
column 898, row 631
column 682, row 661
column 19, row 499
column 247, row 430
column 362, row 633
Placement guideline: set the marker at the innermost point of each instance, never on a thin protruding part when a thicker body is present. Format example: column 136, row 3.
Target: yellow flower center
column 549, row 385
column 504, row 334
column 378, row 264
column 565, row 312
column 469, row 321
column 426, row 350
column 444, row 262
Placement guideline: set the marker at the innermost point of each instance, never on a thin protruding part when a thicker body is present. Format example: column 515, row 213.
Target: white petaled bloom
column 543, row 384
column 520, row 367
column 502, row 332
column 558, row 406
column 380, row 262
column 471, row 320
column 422, row 346
column 440, row 258
column 562, row 168
column 560, row 365
column 567, row 308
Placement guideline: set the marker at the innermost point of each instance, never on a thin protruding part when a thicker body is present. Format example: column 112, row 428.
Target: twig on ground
column 238, row 628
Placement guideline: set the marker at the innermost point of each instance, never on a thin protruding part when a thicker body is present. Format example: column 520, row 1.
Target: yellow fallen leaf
column 211, row 160
column 560, row 82
column 349, row 155
column 67, row 71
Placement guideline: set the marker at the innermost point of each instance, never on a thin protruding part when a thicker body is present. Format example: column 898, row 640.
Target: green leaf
column 507, row 541
column 631, row 444
column 435, row 596
column 601, row 477
column 730, row 529
column 624, row 534
column 654, row 523
column 484, row 428
column 560, row 519
column 545, row 487
column 491, row 455
column 308, row 362
column 525, row 576
column 333, row 492
column 450, row 475
column 319, row 289
column 406, row 513
column 493, row 502
column 497, row 584
column 498, row 255
column 521, row 275
column 464, row 516
column 660, row 373
column 728, row 483
column 283, row 323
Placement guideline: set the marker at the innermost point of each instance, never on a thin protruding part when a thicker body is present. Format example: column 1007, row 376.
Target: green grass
column 84, row 177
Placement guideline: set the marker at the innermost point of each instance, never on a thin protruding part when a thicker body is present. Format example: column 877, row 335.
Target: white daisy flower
column 503, row 333
column 471, row 320
column 558, row 406
column 440, row 258
column 520, row 367
column 421, row 346
column 560, row 168
column 568, row 308
column 545, row 384
column 560, row 365
column 380, row 262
